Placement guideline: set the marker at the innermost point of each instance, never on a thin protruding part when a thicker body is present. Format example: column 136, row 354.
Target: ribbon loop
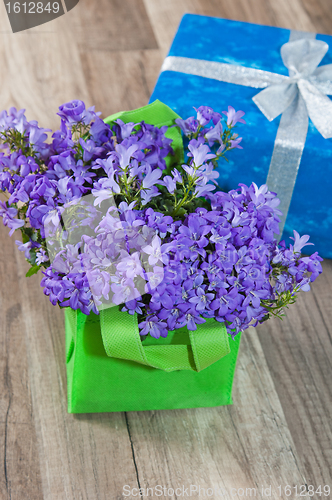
column 275, row 99
column 319, row 107
column 303, row 56
column 322, row 78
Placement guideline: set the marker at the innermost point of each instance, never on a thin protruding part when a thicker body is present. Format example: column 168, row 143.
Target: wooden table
column 278, row 432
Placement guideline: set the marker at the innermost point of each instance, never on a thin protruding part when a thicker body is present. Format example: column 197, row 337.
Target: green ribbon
column 182, row 349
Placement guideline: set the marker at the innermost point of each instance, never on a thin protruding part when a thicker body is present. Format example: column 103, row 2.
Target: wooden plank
column 244, row 446
column 320, row 13
column 165, row 16
column 290, row 15
column 83, row 456
column 117, row 25
column 299, row 356
column 38, row 71
column 19, row 470
column 282, row 13
column 102, row 70
column 56, row 75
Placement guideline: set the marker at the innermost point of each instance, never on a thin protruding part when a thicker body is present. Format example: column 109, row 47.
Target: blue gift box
column 252, row 46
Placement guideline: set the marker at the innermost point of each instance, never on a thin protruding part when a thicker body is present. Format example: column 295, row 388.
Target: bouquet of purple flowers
column 113, row 217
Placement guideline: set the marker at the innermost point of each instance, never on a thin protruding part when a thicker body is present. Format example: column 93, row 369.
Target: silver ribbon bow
column 301, row 94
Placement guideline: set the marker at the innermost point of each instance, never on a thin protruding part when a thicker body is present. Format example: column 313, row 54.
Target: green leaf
column 25, row 238
column 33, row 270
column 181, row 212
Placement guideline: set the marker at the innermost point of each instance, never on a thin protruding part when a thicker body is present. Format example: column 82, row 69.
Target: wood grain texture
column 109, row 53
column 128, row 77
column 19, row 467
column 299, row 355
column 40, row 69
column 85, row 456
column 166, row 16
column 227, row 448
column 320, row 14
column 117, row 25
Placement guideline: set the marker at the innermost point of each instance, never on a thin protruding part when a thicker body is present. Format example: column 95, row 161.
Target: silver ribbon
column 296, row 97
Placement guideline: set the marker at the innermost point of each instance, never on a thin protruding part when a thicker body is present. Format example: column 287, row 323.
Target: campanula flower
column 234, row 117
column 160, row 241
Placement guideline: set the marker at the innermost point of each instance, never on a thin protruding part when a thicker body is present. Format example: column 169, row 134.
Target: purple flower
column 170, row 183
column 156, row 252
column 201, row 191
column 9, row 217
column 192, row 318
column 72, row 111
column 124, row 154
column 99, row 282
column 176, row 176
column 130, row 266
column 133, row 306
column 219, row 260
column 174, row 316
column 221, row 148
column 154, row 278
column 154, row 327
column 26, row 247
column 105, row 189
column 89, row 149
column 214, row 134
column 242, row 258
column 234, row 117
column 201, row 300
column 151, row 177
column 148, row 194
column 200, row 153
column 205, row 114
column 194, row 233
column 235, row 143
column 100, row 131
column 188, row 126
column 313, row 264
column 15, row 119
column 124, row 290
column 124, row 207
column 226, row 301
column 125, row 128
column 299, row 242
column 41, row 256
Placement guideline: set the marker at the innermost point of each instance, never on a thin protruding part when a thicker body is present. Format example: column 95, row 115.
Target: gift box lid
column 201, row 41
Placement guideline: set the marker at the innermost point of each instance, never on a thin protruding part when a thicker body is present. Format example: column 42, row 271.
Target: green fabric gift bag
column 109, row 368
